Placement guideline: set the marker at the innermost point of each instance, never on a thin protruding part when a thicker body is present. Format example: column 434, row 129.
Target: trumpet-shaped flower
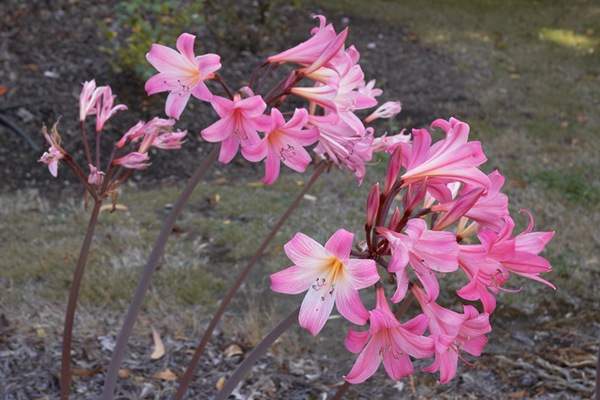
column 105, row 109
column 133, row 160
column 284, row 143
column 329, row 276
column 181, row 73
column 451, row 333
column 387, row 341
column 241, row 119
column 448, row 160
column 488, row 265
column 342, row 144
column 88, row 98
column 425, row 251
column 52, row 158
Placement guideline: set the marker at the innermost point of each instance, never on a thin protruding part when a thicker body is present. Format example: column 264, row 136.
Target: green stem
column 144, row 283
column 189, row 372
column 65, row 375
column 255, row 354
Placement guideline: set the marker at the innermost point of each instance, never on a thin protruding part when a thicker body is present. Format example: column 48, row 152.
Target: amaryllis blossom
column 241, row 119
column 387, row 341
column 181, row 73
column 329, row 276
column 306, row 53
column 452, row 333
column 284, row 143
column 342, row 144
column 488, row 265
column 133, row 160
column 88, row 98
column 146, row 132
column 52, row 158
column 488, row 209
column 105, row 109
column 169, row 140
column 95, row 177
column 369, row 88
column 450, row 159
column 388, row 109
column 390, row 143
column 425, row 251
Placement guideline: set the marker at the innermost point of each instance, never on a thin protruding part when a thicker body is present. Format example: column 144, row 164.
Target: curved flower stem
column 189, row 372
column 255, row 354
column 65, row 371
column 341, row 391
column 144, row 283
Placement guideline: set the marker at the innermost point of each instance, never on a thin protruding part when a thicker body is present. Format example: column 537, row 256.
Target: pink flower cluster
column 99, row 101
column 452, row 217
column 327, row 75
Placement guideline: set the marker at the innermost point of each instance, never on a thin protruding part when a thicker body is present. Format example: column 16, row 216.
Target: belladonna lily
column 448, row 160
column 452, row 332
column 181, row 73
column 425, row 250
column 284, row 143
column 329, row 276
column 241, row 119
column 387, row 341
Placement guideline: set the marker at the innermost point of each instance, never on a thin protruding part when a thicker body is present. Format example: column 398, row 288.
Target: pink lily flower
column 52, row 158
column 284, row 142
column 329, row 276
column 489, row 264
column 96, row 176
column 390, row 143
column 181, row 73
column 105, row 109
column 342, row 144
column 387, row 341
column 169, row 140
column 133, row 160
column 450, row 159
column 490, row 207
column 88, row 98
column 386, row 110
column 239, row 124
column 306, row 53
column 425, row 251
column 451, row 333
column 369, row 89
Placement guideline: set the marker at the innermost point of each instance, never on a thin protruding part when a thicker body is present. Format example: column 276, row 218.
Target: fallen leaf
column 220, row 383
column 117, row 207
column 3, row 90
column 159, row 347
column 124, row 373
column 254, row 184
column 166, row 375
column 86, row 372
column 233, row 350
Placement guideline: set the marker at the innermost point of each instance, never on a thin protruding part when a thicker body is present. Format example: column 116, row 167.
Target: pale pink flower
column 489, row 209
column 284, row 143
column 133, row 160
column 390, row 143
column 52, row 158
column 96, row 176
column 169, row 140
column 369, row 89
column 386, row 110
column 329, row 276
column 322, row 94
column 105, row 109
column 181, row 73
column 132, row 135
column 306, row 53
column 152, row 129
column 448, row 160
column 488, row 265
column 387, row 341
column 452, row 333
column 425, row 251
column 241, row 119
column 342, row 144
column 88, row 99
